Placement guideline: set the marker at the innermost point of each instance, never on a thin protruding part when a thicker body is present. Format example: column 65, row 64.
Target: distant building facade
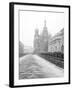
column 36, row 41
column 56, row 43
column 41, row 41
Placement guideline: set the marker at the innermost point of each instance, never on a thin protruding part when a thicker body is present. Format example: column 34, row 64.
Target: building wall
column 57, row 43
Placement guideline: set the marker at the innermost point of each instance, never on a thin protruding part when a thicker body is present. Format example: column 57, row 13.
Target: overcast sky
column 30, row 20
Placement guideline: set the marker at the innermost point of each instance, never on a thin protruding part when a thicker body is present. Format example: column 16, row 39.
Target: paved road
column 33, row 66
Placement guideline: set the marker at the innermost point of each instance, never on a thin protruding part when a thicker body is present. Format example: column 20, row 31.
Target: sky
column 31, row 20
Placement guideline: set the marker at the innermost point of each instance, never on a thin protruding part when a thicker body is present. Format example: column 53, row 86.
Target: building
column 44, row 39
column 41, row 41
column 44, row 43
column 28, row 49
column 36, row 41
column 56, row 44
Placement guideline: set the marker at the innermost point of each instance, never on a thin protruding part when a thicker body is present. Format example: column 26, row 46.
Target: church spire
column 44, row 23
column 45, row 27
column 45, row 31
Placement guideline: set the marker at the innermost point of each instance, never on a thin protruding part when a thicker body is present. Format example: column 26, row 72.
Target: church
column 44, row 44
column 41, row 41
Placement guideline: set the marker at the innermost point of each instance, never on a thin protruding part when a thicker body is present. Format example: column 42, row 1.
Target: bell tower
column 45, row 38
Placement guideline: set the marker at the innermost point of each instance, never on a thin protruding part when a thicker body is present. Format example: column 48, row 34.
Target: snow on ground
column 33, row 66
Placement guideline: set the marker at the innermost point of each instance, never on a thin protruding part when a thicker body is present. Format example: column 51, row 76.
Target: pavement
column 33, row 66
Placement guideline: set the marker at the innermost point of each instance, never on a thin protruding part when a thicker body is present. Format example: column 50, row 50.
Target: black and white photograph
column 41, row 44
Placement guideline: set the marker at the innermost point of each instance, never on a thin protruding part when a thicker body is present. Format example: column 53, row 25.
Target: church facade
column 41, row 41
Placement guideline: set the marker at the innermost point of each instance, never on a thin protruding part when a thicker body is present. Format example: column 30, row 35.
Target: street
column 32, row 66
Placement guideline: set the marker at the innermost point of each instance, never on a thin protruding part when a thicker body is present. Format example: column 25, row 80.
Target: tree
column 21, row 49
